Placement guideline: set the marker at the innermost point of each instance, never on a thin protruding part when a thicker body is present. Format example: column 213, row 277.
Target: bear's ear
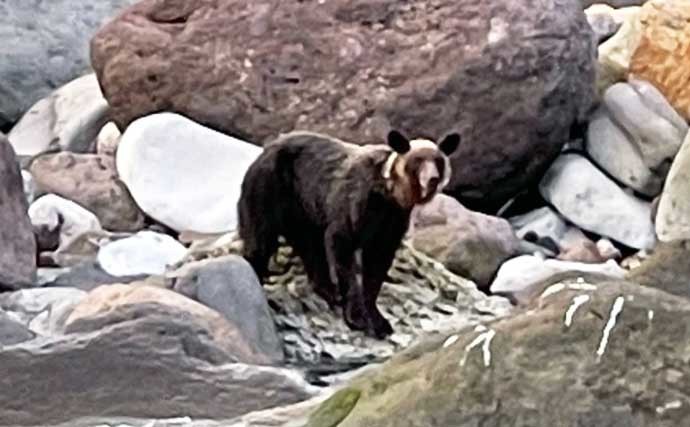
column 398, row 142
column 449, row 144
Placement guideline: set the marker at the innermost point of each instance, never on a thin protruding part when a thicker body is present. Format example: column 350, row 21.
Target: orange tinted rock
column 663, row 55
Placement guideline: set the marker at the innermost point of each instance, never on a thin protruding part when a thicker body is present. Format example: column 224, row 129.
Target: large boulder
column 610, row 355
column 69, row 119
column 182, row 174
column 46, row 45
column 510, row 76
column 17, row 243
column 139, row 359
column 661, row 56
column 111, row 301
column 91, row 181
column 673, row 213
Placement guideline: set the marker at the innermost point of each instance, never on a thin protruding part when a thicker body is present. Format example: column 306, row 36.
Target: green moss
column 334, row 410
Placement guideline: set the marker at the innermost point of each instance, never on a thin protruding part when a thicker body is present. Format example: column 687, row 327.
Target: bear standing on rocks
column 343, row 208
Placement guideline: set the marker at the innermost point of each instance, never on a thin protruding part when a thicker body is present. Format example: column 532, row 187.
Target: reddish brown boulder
column 91, row 181
column 510, row 76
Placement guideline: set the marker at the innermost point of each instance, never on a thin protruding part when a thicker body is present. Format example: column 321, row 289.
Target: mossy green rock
column 612, row 354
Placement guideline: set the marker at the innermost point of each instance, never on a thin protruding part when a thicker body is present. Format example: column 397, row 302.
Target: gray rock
column 47, row 45
column 612, row 356
column 636, row 135
column 69, row 119
column 146, row 252
column 12, row 332
column 88, row 276
column 173, row 359
column 43, row 311
column 589, row 199
column 230, row 286
column 17, row 243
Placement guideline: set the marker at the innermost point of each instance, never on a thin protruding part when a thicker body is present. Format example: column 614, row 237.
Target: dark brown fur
column 332, row 203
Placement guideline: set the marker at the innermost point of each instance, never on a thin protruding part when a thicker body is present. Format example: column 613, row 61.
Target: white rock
column 108, row 139
column 146, row 252
column 590, row 200
column 635, row 135
column 51, row 211
column 519, row 275
column 673, row 214
column 45, row 310
column 183, row 174
column 657, row 131
column 29, row 186
column 70, row 118
column 611, row 148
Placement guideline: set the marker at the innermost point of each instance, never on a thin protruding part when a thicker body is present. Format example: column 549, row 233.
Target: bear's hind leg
column 310, row 248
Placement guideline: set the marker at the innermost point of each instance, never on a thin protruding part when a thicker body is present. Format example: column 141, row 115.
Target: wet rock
column 604, row 341
column 12, row 332
column 353, row 69
column 519, row 277
column 176, row 358
column 146, row 252
column 69, row 119
column 589, row 199
column 661, row 56
column 673, row 212
column 53, row 216
column 92, row 181
column 230, row 286
column 42, row 311
column 49, row 47
column 18, row 253
column 420, row 297
column 636, row 135
column 206, row 167
column 470, row 244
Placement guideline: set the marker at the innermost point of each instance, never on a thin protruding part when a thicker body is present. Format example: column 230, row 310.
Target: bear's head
column 417, row 169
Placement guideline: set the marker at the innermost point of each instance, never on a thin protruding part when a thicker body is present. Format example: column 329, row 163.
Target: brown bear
column 344, row 209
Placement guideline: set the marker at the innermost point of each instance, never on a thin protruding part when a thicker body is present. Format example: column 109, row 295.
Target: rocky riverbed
column 548, row 286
